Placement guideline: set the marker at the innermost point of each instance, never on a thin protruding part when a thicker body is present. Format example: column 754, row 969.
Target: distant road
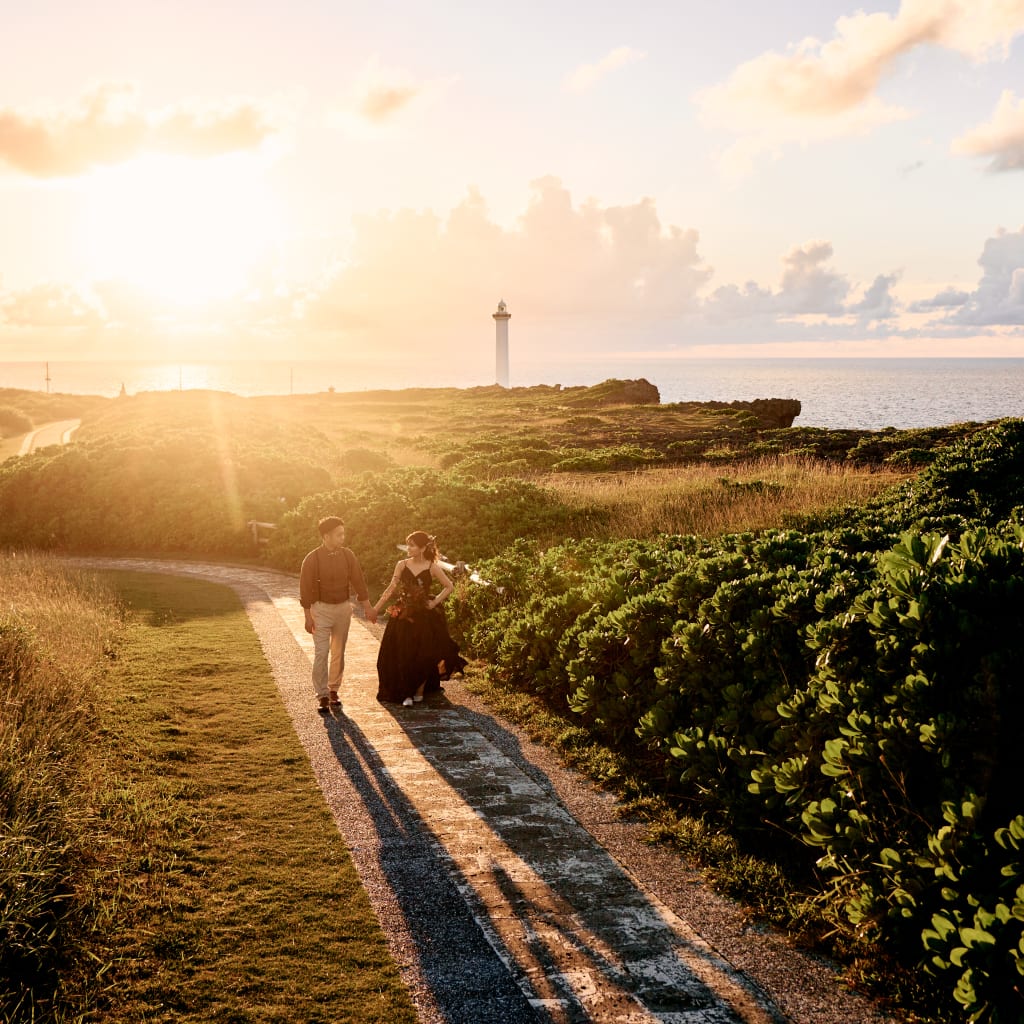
column 58, row 432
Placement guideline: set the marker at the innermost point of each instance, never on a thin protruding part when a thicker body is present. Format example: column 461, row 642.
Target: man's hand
column 310, row 625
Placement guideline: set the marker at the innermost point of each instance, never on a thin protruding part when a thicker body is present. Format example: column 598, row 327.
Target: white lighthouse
column 501, row 319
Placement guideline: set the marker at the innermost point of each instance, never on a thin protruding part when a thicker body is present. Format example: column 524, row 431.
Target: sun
column 185, row 231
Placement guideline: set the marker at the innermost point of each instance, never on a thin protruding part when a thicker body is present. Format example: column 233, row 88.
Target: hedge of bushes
column 471, row 519
column 853, row 692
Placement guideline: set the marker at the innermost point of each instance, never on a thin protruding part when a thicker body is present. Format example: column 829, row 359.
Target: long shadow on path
column 576, row 932
column 468, row 982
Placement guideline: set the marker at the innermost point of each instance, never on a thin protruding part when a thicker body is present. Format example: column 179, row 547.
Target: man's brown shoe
column 333, row 698
column 325, row 705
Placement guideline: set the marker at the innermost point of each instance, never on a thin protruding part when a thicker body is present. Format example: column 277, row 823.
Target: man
column 328, row 575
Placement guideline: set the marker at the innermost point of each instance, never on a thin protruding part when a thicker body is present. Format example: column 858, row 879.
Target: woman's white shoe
column 407, row 703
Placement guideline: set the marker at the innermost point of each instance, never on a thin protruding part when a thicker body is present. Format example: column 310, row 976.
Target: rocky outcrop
column 769, row 413
column 772, row 412
column 613, row 392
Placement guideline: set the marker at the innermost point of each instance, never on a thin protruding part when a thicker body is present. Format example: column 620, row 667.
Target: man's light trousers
column 330, row 633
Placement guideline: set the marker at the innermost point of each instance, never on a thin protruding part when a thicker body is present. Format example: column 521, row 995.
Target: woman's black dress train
column 416, row 647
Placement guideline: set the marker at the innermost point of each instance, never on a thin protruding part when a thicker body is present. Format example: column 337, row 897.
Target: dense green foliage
column 850, row 692
column 470, row 519
column 176, row 492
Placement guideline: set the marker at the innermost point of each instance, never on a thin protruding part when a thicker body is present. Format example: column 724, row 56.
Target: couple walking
column 416, row 652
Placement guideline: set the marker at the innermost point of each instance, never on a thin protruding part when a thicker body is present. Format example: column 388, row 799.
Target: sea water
column 853, row 393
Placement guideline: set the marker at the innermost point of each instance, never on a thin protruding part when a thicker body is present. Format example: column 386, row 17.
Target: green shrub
column 841, row 692
column 902, row 754
column 182, row 491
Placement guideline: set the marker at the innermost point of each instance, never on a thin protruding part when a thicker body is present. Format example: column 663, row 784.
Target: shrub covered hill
column 184, row 472
column 21, row 411
column 843, row 695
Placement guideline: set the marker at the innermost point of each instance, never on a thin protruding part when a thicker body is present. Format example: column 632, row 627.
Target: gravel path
column 507, row 886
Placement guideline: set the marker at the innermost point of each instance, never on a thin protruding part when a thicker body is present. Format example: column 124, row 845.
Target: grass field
column 210, row 882
column 710, row 500
column 258, row 914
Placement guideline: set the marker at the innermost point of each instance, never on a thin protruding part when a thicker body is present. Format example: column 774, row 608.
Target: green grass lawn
column 236, row 897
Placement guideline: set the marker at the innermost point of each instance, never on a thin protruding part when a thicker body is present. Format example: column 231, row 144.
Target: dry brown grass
column 712, row 499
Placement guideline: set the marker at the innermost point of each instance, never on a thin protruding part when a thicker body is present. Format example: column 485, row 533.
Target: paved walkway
column 58, row 432
column 499, row 906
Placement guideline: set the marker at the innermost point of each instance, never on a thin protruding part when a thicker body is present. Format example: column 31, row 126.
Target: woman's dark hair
column 425, row 541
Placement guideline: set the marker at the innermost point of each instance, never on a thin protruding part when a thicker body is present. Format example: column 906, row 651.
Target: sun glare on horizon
column 185, row 231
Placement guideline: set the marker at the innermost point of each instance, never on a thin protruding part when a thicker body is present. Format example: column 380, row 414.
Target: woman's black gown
column 416, row 647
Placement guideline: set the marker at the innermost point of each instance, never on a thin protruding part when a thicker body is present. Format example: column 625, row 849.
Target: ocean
column 852, row 393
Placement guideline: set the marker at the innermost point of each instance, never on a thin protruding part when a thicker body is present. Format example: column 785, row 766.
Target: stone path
column 499, row 906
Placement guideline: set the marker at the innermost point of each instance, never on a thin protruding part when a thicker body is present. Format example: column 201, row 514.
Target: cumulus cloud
column 809, row 287
column 819, row 90
column 578, row 275
column 106, row 127
column 582, row 265
column 1001, row 139
column 999, row 297
column 878, row 302
column 587, row 75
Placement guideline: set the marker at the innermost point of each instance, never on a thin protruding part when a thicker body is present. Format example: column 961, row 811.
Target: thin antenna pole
column 47, row 378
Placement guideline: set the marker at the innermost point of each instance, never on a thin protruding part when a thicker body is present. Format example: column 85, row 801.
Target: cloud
column 946, row 299
column 585, row 268
column 579, row 276
column 1001, row 138
column 587, row 75
column 999, row 297
column 48, row 304
column 380, row 94
column 808, row 288
column 878, row 302
column 811, row 302
column 106, row 127
column 380, row 102
column 821, row 90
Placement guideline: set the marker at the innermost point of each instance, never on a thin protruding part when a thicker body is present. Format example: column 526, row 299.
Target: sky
column 364, row 182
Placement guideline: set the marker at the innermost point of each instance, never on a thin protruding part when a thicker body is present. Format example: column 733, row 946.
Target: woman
column 416, row 652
